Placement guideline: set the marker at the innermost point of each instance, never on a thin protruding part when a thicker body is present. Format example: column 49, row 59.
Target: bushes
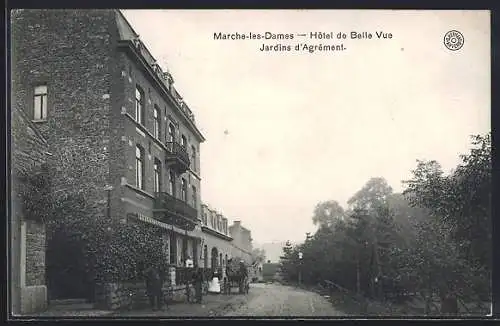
column 110, row 250
column 32, row 194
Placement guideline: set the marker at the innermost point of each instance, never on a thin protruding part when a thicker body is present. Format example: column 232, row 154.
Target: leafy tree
column 373, row 192
column 289, row 262
column 327, row 213
column 459, row 206
column 434, row 239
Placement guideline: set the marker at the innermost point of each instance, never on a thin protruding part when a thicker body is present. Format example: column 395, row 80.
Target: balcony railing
column 167, row 202
column 184, row 275
column 178, row 156
column 165, row 77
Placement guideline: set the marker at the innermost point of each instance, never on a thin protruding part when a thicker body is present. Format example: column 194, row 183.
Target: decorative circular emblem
column 454, row 40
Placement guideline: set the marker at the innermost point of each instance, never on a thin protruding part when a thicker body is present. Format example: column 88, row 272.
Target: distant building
column 222, row 242
column 242, row 238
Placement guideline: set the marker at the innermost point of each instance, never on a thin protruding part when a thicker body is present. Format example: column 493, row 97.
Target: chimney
column 237, row 223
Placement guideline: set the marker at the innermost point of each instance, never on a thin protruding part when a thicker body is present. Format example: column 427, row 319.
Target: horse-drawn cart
column 237, row 273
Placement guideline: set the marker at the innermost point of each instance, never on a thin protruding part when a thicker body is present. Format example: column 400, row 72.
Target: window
column 184, row 190
column 194, row 196
column 40, row 103
column 171, row 132
column 171, row 183
column 184, row 142
column 156, row 125
column 193, row 158
column 139, row 167
column 157, row 175
column 139, row 105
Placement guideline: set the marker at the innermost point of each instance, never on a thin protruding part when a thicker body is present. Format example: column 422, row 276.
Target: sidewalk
column 213, row 305
column 78, row 310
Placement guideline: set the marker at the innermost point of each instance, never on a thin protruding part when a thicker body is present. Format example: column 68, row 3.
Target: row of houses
column 90, row 102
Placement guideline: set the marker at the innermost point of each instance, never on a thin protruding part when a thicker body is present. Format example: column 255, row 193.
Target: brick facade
column 91, row 68
column 91, row 62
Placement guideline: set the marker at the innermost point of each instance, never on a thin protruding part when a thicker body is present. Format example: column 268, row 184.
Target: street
column 280, row 300
column 263, row 300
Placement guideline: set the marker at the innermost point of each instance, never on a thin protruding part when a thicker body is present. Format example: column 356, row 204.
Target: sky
column 286, row 130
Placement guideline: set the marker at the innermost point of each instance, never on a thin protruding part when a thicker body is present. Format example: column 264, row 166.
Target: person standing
column 198, row 285
column 153, row 287
column 189, row 262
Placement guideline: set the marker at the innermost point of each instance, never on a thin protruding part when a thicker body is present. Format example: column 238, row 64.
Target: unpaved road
column 280, row 300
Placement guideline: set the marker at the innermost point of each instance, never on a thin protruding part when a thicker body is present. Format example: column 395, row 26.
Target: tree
column 289, row 262
column 373, row 192
column 433, row 239
column 327, row 213
column 459, row 206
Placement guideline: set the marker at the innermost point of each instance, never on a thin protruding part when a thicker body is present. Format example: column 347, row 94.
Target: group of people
column 154, row 278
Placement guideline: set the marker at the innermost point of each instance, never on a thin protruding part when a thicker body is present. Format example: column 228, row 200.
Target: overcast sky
column 304, row 128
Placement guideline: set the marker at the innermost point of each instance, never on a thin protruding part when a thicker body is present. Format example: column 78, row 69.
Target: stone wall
column 27, row 259
column 133, row 295
column 33, row 299
column 71, row 52
column 35, row 254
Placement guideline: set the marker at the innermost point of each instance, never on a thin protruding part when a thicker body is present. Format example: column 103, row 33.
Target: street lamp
column 300, row 267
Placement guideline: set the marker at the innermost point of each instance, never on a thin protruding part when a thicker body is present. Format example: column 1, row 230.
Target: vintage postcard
column 250, row 163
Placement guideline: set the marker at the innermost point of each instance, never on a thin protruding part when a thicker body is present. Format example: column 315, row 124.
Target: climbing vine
column 111, row 249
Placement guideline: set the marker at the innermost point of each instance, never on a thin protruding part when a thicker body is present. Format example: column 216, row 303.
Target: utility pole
column 300, row 268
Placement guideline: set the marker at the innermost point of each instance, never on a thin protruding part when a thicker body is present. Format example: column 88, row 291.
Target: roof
column 128, row 34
